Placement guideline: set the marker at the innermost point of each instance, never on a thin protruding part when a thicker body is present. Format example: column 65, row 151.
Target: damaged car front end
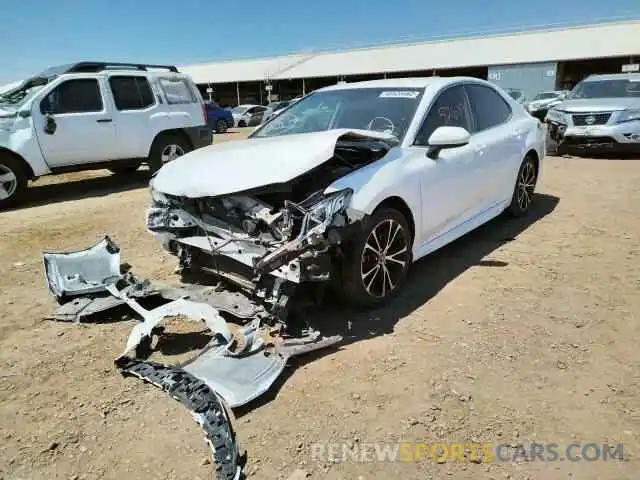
column 269, row 240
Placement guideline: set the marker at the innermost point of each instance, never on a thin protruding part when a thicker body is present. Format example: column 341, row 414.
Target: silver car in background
column 543, row 101
column 248, row 115
column 600, row 115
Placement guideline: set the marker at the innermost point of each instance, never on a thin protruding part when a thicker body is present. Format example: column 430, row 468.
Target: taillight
column 204, row 114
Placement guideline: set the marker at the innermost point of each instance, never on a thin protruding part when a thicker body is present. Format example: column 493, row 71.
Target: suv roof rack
column 100, row 66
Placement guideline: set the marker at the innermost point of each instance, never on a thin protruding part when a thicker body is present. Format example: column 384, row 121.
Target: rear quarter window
column 488, row 107
column 177, row 91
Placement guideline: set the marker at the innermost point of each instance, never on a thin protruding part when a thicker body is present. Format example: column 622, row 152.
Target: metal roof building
column 621, row 39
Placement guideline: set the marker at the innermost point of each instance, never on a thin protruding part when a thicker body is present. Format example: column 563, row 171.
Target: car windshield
column 388, row 110
column 20, row 95
column 546, row 95
column 240, row 109
column 607, row 89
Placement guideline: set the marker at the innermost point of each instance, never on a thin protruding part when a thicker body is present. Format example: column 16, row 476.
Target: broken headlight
column 330, row 204
column 159, row 198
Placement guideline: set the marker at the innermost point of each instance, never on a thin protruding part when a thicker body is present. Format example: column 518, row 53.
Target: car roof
column 417, row 82
column 613, row 76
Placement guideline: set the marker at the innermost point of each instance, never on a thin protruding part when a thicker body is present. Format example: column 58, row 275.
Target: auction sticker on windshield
column 400, row 94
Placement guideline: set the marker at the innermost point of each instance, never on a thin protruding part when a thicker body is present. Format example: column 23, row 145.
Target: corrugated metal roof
column 590, row 41
column 242, row 70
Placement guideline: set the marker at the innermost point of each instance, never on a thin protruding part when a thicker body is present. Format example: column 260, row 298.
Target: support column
column 304, row 88
column 238, row 92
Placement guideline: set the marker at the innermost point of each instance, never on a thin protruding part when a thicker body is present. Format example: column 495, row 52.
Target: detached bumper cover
column 235, row 368
column 207, row 407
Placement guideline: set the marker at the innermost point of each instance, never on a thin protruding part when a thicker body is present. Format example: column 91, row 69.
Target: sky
column 39, row 34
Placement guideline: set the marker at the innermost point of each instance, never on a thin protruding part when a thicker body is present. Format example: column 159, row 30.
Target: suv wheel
column 221, row 126
column 377, row 265
column 13, row 181
column 166, row 149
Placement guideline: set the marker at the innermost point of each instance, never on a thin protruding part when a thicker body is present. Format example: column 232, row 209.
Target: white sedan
column 249, row 115
column 351, row 184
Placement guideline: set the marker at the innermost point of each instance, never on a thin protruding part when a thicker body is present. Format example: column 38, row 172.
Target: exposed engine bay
column 268, row 239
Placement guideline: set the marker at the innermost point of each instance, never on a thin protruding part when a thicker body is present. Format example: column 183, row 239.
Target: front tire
column 165, row 149
column 13, row 181
column 524, row 188
column 376, row 266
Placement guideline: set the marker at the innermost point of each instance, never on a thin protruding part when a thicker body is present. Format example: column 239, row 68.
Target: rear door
column 74, row 122
column 497, row 140
column 186, row 107
column 137, row 114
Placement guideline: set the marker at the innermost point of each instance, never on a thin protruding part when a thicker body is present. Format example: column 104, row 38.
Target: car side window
column 81, row 95
column 131, row 92
column 488, row 107
column 449, row 110
column 251, row 111
column 177, row 91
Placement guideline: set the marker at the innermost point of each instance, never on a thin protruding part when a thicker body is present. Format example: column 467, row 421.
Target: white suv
column 94, row 115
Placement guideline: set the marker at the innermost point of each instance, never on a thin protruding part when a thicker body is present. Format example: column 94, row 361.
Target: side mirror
column 447, row 137
column 24, row 113
column 50, row 125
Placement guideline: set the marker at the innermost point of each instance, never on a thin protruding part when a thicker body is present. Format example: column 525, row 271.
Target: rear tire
column 377, row 262
column 13, row 181
column 167, row 148
column 524, row 189
column 221, row 126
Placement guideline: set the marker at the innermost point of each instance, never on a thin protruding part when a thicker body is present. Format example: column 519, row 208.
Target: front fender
column 373, row 184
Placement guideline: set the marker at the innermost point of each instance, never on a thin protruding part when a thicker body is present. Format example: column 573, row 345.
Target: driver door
column 445, row 182
column 74, row 124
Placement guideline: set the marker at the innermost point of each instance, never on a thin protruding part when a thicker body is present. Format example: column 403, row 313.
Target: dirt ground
column 523, row 331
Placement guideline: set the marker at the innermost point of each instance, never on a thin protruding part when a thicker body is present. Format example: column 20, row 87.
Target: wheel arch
column 173, row 131
column 400, row 205
column 10, row 153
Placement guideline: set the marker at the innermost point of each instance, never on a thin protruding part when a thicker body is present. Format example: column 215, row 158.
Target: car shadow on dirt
column 426, row 278
column 95, row 186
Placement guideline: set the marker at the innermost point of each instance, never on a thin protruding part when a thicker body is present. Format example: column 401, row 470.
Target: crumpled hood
column 242, row 165
column 591, row 105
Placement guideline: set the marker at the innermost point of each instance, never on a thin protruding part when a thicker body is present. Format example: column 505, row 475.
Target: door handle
column 104, row 120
